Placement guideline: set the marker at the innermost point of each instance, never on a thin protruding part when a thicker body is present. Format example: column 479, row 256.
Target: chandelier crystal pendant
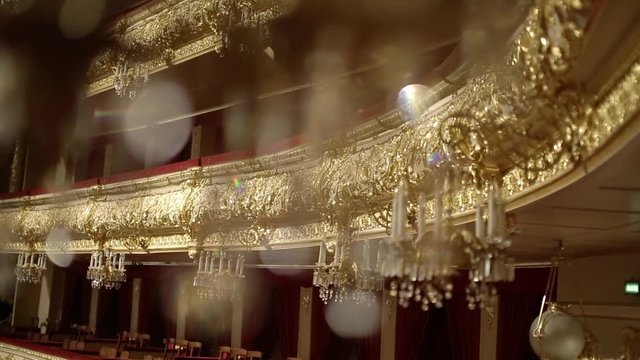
column 106, row 270
column 128, row 81
column 489, row 262
column 217, row 278
column 419, row 268
column 368, row 282
column 334, row 278
column 30, row 267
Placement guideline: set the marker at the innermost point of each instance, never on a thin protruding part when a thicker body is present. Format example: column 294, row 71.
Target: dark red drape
column 368, row 348
column 464, row 329
column 517, row 311
column 411, row 329
column 519, row 305
column 320, row 331
column 287, row 306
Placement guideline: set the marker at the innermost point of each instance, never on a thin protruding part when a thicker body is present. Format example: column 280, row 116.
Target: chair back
column 254, row 355
column 103, row 352
column 111, row 353
column 81, row 345
column 65, row 343
column 144, row 340
column 147, row 357
column 225, row 352
column 124, row 354
column 238, row 354
column 73, row 344
column 194, row 345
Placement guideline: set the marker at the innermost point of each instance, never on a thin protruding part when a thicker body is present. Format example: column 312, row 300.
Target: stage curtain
column 368, row 348
column 288, row 311
column 463, row 329
column 411, row 331
column 517, row 311
column 320, row 331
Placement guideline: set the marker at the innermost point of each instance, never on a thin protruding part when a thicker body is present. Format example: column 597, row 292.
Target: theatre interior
column 320, row 180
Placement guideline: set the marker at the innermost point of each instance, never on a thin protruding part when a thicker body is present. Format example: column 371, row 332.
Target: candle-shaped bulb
column 322, row 254
column 366, row 255
column 399, row 215
column 422, row 213
column 480, row 232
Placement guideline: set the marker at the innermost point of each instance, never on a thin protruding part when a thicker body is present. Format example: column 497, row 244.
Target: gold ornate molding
column 11, row 352
column 294, row 197
column 174, row 31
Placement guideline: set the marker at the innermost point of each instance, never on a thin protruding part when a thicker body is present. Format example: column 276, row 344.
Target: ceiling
column 598, row 214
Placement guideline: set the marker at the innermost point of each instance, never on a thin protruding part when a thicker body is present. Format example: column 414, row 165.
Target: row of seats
column 134, row 339
column 69, row 344
column 229, row 353
column 173, row 347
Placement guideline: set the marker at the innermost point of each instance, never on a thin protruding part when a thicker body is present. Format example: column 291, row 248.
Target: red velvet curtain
column 320, row 331
column 288, row 311
column 517, row 312
column 368, row 348
column 464, row 329
column 519, row 305
column 411, row 330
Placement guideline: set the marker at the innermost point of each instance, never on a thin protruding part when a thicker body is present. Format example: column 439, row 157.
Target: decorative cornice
column 296, row 196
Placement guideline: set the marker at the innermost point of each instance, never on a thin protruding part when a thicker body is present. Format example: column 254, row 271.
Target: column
column 236, row 322
column 183, row 308
column 108, row 160
column 135, row 305
column 93, row 309
column 17, row 167
column 388, row 327
column 60, row 176
column 196, row 141
column 44, row 301
column 304, row 323
column 489, row 333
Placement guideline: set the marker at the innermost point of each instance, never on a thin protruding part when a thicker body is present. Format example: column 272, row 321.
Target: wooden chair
column 103, row 352
column 147, row 357
column 65, row 344
column 194, row 345
column 111, row 353
column 238, row 354
column 181, row 347
column 254, row 355
column 143, row 340
column 169, row 345
column 73, row 344
column 225, row 352
column 81, row 345
column 124, row 355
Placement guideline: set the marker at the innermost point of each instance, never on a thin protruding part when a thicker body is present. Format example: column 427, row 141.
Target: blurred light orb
column 60, row 237
column 352, row 320
column 562, row 336
column 414, row 100
column 79, row 18
column 146, row 139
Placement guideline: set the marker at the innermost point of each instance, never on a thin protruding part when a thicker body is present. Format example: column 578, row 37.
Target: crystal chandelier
column 368, row 282
column 106, row 269
column 487, row 250
column 30, row 267
column 333, row 279
column 128, row 80
column 419, row 268
column 344, row 277
column 216, row 278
